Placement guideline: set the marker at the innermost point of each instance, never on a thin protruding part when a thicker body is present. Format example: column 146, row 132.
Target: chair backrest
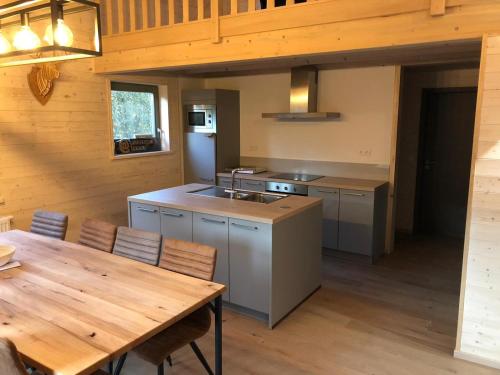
column 98, row 234
column 10, row 362
column 189, row 258
column 50, row 224
column 138, row 245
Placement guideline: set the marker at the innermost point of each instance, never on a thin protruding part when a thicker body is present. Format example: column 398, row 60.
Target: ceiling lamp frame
column 22, row 13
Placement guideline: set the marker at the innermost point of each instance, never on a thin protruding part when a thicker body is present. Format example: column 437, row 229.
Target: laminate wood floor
column 396, row 317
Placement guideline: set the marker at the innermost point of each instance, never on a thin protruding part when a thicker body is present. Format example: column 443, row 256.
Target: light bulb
column 26, row 39
column 5, row 46
column 63, row 34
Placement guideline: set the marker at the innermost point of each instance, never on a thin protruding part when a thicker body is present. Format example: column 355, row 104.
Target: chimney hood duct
column 303, row 98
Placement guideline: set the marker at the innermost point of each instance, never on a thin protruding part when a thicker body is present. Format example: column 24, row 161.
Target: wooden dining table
column 71, row 309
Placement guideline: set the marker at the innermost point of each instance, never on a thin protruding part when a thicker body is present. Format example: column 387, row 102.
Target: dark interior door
column 444, row 160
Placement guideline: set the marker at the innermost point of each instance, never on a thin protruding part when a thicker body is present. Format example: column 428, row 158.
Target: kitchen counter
column 268, row 255
column 325, row 182
column 272, row 213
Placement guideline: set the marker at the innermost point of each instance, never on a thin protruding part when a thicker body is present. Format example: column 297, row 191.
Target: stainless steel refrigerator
column 211, row 121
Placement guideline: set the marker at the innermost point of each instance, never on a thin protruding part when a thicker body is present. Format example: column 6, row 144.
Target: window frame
column 117, row 85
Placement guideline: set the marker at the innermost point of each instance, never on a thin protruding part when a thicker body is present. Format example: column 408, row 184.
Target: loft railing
column 126, row 16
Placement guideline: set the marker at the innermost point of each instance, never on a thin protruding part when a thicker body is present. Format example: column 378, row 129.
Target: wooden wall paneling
column 57, row 157
column 479, row 314
column 307, row 29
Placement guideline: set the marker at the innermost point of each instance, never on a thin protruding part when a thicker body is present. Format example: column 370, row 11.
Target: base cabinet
column 213, row 231
column 330, row 215
column 356, row 215
column 144, row 217
column 250, row 264
column 176, row 224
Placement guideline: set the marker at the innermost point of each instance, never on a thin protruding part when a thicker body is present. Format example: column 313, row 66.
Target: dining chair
column 98, row 234
column 194, row 260
column 50, row 224
column 138, row 245
column 11, row 363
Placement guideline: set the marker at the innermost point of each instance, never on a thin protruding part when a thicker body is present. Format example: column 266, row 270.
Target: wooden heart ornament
column 41, row 80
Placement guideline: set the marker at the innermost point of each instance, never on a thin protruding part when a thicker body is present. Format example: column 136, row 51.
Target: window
column 136, row 118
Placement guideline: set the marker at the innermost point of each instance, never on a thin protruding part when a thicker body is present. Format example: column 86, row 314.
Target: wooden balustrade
column 124, row 16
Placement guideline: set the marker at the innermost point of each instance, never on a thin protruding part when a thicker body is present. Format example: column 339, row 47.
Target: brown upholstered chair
column 193, row 260
column 50, row 224
column 98, row 234
column 11, row 364
column 138, row 245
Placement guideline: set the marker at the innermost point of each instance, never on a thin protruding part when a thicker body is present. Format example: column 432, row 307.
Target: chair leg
column 110, row 367
column 161, row 369
column 169, row 360
column 120, row 364
column 200, row 356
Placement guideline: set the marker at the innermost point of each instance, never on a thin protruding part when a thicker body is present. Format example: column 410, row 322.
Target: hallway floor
column 396, row 317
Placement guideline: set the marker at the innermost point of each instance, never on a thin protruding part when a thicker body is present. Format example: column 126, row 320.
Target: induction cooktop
column 297, row 177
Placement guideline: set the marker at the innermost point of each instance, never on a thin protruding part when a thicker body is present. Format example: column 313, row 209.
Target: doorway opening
column 433, row 163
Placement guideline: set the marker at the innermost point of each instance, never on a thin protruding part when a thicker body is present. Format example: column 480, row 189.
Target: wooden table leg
column 218, row 335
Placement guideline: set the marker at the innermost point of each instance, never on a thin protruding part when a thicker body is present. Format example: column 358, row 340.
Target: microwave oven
column 200, row 118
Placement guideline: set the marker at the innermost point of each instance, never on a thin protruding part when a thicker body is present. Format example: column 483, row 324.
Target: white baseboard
column 476, row 359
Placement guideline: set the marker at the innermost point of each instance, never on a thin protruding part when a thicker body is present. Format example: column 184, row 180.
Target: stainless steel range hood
column 303, row 98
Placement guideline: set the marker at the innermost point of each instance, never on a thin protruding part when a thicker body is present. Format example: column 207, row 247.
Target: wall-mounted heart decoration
column 41, row 80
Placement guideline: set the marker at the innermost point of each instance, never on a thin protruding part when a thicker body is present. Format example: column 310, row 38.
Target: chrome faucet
column 233, row 173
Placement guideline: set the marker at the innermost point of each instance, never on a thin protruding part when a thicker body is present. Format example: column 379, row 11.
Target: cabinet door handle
column 247, row 227
column 327, row 192
column 206, row 179
column 172, row 215
column 150, row 210
column 355, row 194
column 204, row 219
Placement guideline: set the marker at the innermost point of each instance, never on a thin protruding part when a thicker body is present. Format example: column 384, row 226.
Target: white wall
column 364, row 97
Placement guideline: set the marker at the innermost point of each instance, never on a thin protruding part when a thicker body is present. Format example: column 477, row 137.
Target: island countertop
column 179, row 198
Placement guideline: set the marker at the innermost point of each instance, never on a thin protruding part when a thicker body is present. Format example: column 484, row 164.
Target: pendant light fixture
column 62, row 34
column 5, row 46
column 54, row 20
column 25, row 39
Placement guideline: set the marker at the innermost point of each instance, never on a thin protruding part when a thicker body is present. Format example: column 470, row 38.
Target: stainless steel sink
column 243, row 195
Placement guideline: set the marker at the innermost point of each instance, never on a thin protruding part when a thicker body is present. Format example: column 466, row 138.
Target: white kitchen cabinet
column 213, row 231
column 330, row 214
column 177, row 224
column 250, row 246
column 144, row 217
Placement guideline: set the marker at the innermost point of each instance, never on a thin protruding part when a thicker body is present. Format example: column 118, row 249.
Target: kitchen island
column 268, row 254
